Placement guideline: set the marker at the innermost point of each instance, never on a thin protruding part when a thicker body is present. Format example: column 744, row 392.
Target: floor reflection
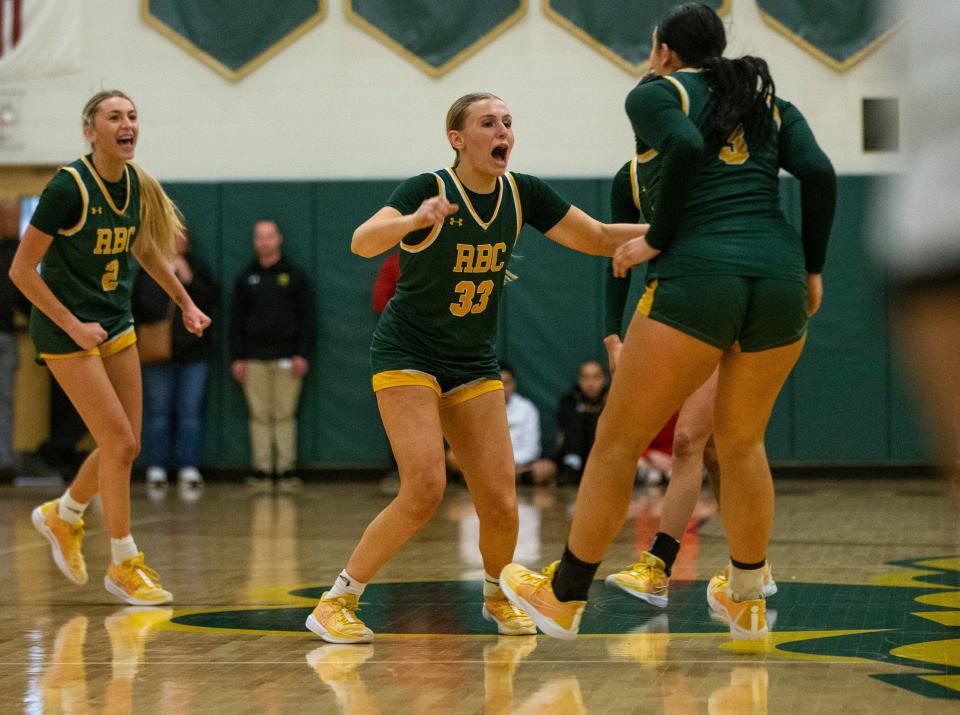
column 338, row 666
column 63, row 680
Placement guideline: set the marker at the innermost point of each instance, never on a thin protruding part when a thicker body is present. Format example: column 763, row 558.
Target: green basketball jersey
column 452, row 274
column 731, row 221
column 88, row 265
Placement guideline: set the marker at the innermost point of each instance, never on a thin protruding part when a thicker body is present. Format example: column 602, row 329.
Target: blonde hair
column 457, row 114
column 160, row 219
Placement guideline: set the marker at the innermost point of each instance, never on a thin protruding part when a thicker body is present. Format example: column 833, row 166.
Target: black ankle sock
column 571, row 580
column 665, row 548
column 747, row 567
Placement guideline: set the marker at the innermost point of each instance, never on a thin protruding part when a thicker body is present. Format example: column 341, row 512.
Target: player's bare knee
column 687, row 444
column 422, row 496
column 122, row 446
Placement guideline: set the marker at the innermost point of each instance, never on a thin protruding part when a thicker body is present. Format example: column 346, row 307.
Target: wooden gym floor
column 867, row 618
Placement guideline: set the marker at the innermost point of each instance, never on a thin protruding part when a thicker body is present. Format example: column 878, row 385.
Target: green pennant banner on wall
column 435, row 35
column 837, row 32
column 620, row 30
column 233, row 37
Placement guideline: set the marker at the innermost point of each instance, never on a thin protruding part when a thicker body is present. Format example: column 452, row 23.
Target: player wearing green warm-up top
column 730, row 284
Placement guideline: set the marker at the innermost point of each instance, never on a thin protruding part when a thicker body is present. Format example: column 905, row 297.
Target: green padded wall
column 846, row 403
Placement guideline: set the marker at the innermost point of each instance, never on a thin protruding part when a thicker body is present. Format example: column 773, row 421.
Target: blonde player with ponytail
column 92, row 215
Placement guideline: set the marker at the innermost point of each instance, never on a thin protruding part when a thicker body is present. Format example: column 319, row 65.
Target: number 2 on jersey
column 110, row 273
column 735, row 151
column 473, row 297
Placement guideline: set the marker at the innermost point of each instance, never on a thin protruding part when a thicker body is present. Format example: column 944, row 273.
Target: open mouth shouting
column 500, row 153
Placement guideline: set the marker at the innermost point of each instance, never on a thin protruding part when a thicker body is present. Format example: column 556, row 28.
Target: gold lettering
column 119, row 240
column 484, row 254
column 496, row 263
column 104, row 241
column 464, row 263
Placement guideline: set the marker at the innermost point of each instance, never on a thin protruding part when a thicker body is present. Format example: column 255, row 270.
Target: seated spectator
column 577, row 417
column 173, row 390
column 523, row 419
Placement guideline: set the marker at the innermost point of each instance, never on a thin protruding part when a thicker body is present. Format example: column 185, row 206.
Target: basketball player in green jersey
column 92, row 215
column 730, row 284
column 648, row 579
column 435, row 372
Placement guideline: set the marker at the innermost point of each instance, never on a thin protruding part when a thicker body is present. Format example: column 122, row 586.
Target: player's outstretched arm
column 581, row 232
column 387, row 227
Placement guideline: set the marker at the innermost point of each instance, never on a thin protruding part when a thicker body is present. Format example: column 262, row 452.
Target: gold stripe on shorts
column 468, row 391
column 404, row 378
column 111, row 347
column 646, row 302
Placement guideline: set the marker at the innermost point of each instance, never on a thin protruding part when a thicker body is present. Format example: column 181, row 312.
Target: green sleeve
column 542, row 207
column 407, row 198
column 623, row 210
column 60, row 205
column 802, row 156
column 659, row 122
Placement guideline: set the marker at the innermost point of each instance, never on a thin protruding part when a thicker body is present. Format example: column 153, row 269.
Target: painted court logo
column 906, row 620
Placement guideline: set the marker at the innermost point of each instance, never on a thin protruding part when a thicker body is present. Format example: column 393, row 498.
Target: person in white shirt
column 523, row 419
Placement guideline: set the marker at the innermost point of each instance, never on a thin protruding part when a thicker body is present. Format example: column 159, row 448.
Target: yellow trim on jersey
column 646, row 302
column 684, row 97
column 435, row 231
column 469, row 390
column 647, row 155
column 776, row 116
column 84, row 197
column 635, row 183
column 103, row 188
column 111, row 347
column 466, row 199
column 516, row 202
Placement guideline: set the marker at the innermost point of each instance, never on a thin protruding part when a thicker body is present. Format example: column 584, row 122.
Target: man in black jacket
column 272, row 333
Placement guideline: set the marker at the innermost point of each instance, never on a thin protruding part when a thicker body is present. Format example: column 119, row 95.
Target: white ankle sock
column 491, row 586
column 746, row 585
column 123, row 549
column 69, row 509
column 346, row 584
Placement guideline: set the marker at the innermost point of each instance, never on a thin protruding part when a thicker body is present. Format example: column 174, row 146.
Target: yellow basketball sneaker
column 769, row 585
column 747, row 619
column 136, row 583
column 647, row 580
column 335, row 620
column 510, row 620
column 533, row 592
column 66, row 540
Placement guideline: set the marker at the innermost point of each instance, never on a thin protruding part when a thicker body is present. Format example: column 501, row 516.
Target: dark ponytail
column 742, row 90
